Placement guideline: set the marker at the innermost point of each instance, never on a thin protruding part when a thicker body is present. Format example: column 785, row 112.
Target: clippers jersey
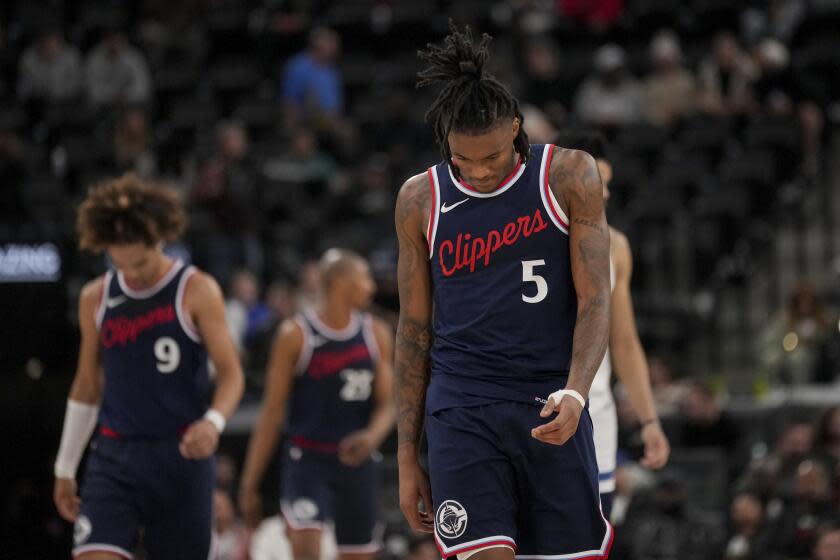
column 332, row 394
column 504, row 301
column 156, row 378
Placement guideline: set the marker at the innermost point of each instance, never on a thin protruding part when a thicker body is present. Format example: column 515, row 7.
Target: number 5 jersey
column 504, row 301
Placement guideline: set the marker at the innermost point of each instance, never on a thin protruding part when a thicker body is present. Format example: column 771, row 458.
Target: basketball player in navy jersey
column 147, row 328
column 331, row 366
column 504, row 318
column 625, row 349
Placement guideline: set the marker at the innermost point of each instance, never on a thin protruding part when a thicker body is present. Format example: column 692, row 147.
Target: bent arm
column 206, row 306
column 575, row 175
column 279, row 382
column 383, row 415
column 414, row 331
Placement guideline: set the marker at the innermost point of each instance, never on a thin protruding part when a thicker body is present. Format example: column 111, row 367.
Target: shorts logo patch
column 451, row 519
column 304, row 509
column 81, row 530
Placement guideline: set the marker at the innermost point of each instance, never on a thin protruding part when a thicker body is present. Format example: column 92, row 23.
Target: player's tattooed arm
column 576, row 182
column 414, row 331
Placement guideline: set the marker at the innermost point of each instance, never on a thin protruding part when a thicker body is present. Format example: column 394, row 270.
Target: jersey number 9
column 167, row 354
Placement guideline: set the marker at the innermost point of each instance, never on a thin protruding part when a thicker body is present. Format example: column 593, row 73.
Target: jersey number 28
column 357, row 384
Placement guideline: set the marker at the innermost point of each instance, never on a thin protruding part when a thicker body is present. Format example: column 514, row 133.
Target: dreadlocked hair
column 470, row 101
column 128, row 210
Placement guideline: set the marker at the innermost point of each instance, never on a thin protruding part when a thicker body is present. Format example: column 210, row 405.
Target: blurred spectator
column 308, row 284
column 780, row 94
column 670, row 92
column 312, row 85
column 50, row 70
column 704, row 423
column 771, row 476
column 245, row 313
column 610, row 96
column 226, row 473
column 747, row 534
column 116, row 72
column 827, row 434
column 827, row 542
column 132, row 145
column 794, row 533
column 789, row 345
column 544, row 83
column 231, row 539
column 598, row 14
column 668, row 528
column 778, row 19
column 279, row 304
column 304, row 163
column 225, row 188
column 13, row 180
column 173, row 30
column 667, row 393
column 540, row 129
column 725, row 78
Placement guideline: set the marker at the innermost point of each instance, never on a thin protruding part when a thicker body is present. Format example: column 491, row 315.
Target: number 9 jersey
column 156, row 378
column 504, row 301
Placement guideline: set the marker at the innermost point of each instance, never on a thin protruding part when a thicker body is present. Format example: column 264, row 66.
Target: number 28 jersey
column 156, row 379
column 504, row 302
column 333, row 390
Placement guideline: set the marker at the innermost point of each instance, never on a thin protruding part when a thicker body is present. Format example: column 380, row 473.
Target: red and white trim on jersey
column 555, row 212
column 346, row 333
column 184, row 318
column 305, row 348
column 99, row 547
column 103, row 299
column 149, row 292
column 506, row 183
column 434, row 210
column 294, row 524
column 486, row 542
column 374, row 546
column 369, row 334
column 601, row 554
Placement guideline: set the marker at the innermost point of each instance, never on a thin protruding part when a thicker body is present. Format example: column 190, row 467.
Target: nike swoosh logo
column 115, row 301
column 444, row 209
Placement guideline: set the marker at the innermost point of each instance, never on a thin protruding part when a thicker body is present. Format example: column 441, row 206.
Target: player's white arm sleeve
column 79, row 422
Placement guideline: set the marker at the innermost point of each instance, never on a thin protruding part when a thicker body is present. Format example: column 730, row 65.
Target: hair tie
column 468, row 67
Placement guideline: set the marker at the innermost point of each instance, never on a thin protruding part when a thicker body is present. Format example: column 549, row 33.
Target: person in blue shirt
column 311, row 83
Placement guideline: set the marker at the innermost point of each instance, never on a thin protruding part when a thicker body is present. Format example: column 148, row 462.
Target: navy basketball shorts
column 148, row 484
column 494, row 484
column 315, row 487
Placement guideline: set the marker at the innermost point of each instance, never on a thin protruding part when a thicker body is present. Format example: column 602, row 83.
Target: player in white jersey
column 625, row 349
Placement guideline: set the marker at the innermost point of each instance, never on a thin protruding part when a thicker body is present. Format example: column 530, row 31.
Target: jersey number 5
column 529, row 276
column 167, row 354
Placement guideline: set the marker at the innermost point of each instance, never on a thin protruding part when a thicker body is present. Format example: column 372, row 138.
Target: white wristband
column 557, row 395
column 216, row 418
column 79, row 422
